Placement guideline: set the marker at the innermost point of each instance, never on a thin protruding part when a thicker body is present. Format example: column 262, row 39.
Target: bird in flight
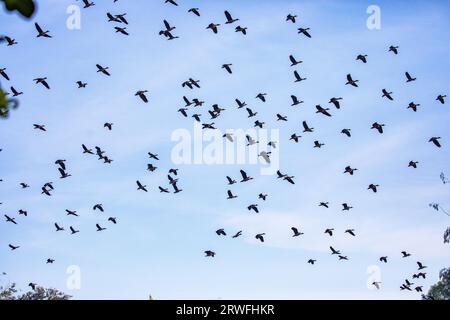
column 304, row 31
column 291, row 18
column 230, row 19
column 195, row 11
column 41, row 32
column 3, row 73
column 209, row 253
column 9, row 219
column 245, row 177
column 362, row 57
column 227, row 66
column 140, row 186
column 42, row 81
column 103, row 70
column 260, row 236
column 350, row 81
column 435, row 141
column 296, row 232
column 409, row 78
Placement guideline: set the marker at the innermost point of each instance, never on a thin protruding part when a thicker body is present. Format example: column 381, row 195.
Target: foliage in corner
column 440, row 290
column 10, row 292
column 25, row 7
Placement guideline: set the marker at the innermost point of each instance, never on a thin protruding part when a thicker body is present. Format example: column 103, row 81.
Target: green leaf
column 25, row 7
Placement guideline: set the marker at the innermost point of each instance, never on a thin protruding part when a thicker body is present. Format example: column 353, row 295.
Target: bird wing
column 291, row 57
column 38, row 28
column 228, row 16
column 167, row 25
column 243, row 174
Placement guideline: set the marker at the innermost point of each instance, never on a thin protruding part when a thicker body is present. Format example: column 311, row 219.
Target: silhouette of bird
column 421, row 266
column 262, row 196
column 324, row 204
column 413, row 106
column 113, row 220
column 317, row 144
column 441, row 98
column 435, row 141
column 350, row 81
column 346, row 132
column 323, row 111
column 103, row 70
column 213, row 27
column 378, row 127
column 41, row 32
column 221, row 232
column 209, row 253
column 312, row 261
column 15, row 92
column 71, row 213
column 98, row 206
column 140, row 186
column 58, row 228
column 346, row 207
column 73, row 231
column 238, row 234
column 229, row 18
column 405, row 254
column 298, row 78
column 10, row 41
column 304, row 31
column 42, row 81
column 387, row 94
column 253, row 207
column 291, row 18
column 261, row 96
column 329, row 231
column 39, row 127
column 3, row 73
column 230, row 195
column 373, row 187
column 334, row 251
column 245, row 177
column 260, row 236
column 409, row 78
column 195, row 11
column 227, row 66
column 383, row 259
column 12, row 247
column 50, row 261
column 63, row 173
column 335, row 101
column 99, row 228
column 230, row 181
column 296, row 232
column 350, row 232
column 240, row 104
column 413, row 164
column 349, row 170
column 294, row 62
column 393, row 49
column 295, row 101
column 9, row 219
column 122, row 31
column 362, row 57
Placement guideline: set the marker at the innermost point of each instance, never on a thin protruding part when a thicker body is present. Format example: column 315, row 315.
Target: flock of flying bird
column 215, row 112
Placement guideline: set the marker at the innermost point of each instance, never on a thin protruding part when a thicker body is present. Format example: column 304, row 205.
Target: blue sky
column 157, row 246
